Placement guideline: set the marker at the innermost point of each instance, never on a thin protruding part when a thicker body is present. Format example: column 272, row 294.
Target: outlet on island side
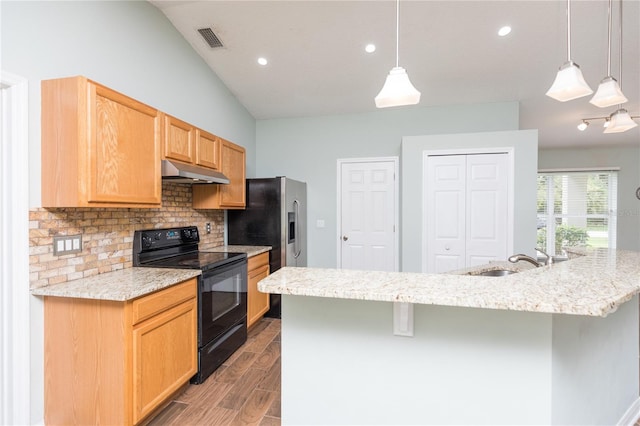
column 208, row 227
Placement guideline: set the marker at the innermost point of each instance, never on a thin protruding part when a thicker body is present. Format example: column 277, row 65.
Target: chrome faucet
column 517, row 257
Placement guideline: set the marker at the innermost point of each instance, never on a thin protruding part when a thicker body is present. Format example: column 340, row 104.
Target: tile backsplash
column 107, row 234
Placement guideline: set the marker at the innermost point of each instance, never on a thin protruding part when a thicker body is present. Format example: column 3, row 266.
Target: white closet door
column 487, row 208
column 467, row 210
column 445, row 210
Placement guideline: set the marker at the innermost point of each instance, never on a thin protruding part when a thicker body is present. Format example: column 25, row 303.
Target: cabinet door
column 207, row 150
column 231, row 196
column 233, row 166
column 257, row 302
column 178, row 139
column 164, row 356
column 123, row 149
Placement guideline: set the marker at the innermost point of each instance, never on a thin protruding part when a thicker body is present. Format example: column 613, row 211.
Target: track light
column 618, row 122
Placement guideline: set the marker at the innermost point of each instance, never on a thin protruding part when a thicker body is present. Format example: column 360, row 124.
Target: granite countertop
column 594, row 284
column 250, row 250
column 126, row 284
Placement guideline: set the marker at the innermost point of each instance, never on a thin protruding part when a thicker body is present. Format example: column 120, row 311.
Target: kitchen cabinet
column 257, row 302
column 99, row 148
column 232, row 195
column 186, row 143
column 111, row 362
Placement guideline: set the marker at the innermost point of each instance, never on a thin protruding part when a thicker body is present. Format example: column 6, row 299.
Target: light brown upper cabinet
column 186, row 143
column 179, row 139
column 231, row 196
column 99, row 147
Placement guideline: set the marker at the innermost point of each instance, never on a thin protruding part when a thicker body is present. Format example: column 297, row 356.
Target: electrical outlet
column 208, row 227
column 67, row 244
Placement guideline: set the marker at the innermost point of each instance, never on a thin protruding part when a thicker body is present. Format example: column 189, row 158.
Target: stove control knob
column 186, row 234
column 157, row 235
column 146, row 241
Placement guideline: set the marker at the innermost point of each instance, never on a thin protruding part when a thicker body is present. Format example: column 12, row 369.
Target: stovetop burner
column 177, row 248
column 196, row 260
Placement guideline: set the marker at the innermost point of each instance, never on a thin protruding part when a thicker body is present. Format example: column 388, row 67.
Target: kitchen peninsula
column 550, row 345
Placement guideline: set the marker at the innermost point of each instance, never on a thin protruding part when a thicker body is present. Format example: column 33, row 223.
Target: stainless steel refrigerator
column 276, row 216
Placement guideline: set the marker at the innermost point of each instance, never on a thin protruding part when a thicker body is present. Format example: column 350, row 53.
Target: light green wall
column 525, row 149
column 129, row 46
column 628, row 159
column 307, row 149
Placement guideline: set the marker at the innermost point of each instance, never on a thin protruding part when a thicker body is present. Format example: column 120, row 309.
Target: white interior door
column 368, row 214
column 445, row 210
column 466, row 210
column 487, row 208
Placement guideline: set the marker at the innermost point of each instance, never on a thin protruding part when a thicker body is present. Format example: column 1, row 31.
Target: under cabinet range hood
column 173, row 171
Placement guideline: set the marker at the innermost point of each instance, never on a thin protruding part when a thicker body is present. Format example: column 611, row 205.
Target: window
column 576, row 209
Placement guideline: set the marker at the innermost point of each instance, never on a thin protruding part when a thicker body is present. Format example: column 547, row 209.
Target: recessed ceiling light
column 263, row 61
column 504, row 31
column 370, row 48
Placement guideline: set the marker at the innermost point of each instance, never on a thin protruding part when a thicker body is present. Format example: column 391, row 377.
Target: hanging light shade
column 620, row 121
column 609, row 92
column 569, row 83
column 397, row 89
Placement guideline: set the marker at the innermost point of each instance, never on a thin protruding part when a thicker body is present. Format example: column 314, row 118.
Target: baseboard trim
column 632, row 415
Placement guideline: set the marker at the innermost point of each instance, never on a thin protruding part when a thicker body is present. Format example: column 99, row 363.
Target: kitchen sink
column 495, row 273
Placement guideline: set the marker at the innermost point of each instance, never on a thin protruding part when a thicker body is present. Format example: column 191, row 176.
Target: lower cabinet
column 110, row 362
column 257, row 302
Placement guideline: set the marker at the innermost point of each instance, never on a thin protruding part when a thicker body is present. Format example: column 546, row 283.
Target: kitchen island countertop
column 122, row 285
column 595, row 285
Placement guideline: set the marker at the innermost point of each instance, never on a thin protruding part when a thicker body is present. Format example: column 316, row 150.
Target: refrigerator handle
column 296, row 243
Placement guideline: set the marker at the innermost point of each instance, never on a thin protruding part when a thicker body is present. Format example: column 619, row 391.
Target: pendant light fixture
column 620, row 121
column 397, row 89
column 609, row 92
column 569, row 83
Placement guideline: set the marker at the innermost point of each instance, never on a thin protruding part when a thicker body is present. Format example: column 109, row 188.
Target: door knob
column 345, row 238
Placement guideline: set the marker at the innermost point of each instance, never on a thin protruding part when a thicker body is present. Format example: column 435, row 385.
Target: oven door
column 222, row 299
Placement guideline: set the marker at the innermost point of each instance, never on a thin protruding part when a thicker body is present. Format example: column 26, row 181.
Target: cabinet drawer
column 148, row 306
column 257, row 261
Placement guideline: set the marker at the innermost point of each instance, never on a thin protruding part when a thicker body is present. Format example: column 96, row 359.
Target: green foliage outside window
column 566, row 236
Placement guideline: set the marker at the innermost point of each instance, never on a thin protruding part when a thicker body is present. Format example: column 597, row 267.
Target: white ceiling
column 451, row 50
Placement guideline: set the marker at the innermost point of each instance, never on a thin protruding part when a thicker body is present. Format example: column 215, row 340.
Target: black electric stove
column 222, row 289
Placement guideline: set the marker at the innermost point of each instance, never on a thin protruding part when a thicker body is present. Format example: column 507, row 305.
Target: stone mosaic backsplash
column 107, row 234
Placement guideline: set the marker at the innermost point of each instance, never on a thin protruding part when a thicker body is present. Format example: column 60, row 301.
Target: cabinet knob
column 345, row 238
column 447, row 248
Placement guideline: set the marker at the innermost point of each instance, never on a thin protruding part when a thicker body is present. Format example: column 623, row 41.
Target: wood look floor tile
column 275, row 409
column 169, row 414
column 245, row 390
column 234, row 371
column 206, row 416
column 268, row 356
column 271, row 380
column 242, row 388
column 254, row 408
column 270, row 421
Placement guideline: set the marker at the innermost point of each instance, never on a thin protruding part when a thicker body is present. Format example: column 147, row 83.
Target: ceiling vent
column 210, row 37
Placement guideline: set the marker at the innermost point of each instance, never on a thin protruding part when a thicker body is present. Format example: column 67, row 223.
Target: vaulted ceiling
column 450, row 49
